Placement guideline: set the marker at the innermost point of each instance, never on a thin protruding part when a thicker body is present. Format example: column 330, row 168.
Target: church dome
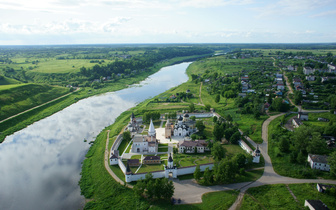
column 186, row 115
column 180, row 118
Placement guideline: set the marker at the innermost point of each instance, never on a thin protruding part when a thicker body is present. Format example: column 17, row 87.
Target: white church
column 145, row 144
column 183, row 127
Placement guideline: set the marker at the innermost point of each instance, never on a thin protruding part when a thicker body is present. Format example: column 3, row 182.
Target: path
column 38, row 106
column 107, row 163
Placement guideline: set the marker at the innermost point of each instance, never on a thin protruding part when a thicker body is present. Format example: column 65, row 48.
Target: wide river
column 40, row 165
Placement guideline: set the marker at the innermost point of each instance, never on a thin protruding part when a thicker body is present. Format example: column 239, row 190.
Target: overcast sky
column 43, row 22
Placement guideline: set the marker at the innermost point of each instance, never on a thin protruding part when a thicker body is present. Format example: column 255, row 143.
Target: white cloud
column 70, row 26
column 291, row 7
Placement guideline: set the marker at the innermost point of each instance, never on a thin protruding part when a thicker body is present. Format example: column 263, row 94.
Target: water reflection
column 40, row 165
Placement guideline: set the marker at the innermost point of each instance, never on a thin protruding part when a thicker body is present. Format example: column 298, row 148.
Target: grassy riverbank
column 15, row 124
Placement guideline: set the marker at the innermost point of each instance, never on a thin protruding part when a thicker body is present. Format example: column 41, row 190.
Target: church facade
column 145, row 144
column 183, row 127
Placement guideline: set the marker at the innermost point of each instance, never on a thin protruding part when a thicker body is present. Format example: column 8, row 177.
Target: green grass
column 20, row 97
column 122, row 146
column 63, row 66
column 269, row 197
column 136, row 157
column 129, row 147
column 212, row 200
column 148, row 168
column 309, row 192
column 7, row 81
column 116, row 169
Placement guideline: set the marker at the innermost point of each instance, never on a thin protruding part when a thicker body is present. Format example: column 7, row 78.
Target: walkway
column 107, row 162
column 38, row 106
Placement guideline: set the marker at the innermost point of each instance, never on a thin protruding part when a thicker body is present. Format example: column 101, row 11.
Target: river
column 40, row 165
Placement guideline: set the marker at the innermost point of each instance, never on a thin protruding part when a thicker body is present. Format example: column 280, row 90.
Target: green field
column 63, row 66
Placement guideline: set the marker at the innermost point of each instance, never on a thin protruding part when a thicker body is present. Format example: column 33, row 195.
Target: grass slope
column 18, row 98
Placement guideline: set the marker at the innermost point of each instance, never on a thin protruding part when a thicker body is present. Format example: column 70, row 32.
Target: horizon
column 60, row 22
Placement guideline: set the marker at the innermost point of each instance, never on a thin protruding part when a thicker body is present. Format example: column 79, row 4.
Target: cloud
column 212, row 3
column 326, row 13
column 70, row 26
column 290, row 7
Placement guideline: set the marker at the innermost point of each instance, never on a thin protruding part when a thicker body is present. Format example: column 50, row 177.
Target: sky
column 53, row 22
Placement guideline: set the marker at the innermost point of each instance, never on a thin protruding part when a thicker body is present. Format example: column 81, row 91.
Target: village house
column 296, row 122
column 315, row 205
column 319, row 162
column 310, row 78
column 152, row 160
column 308, row 70
column 322, row 187
column 303, row 116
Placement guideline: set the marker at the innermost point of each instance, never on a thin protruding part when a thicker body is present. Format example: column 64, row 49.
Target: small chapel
column 145, row 143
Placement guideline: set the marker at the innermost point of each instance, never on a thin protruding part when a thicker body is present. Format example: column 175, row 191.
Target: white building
column 308, row 70
column 315, row 205
column 145, row 144
column 114, row 157
column 318, row 162
column 303, row 116
column 199, row 146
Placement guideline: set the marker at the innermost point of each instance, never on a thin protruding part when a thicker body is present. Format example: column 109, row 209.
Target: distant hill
column 8, row 81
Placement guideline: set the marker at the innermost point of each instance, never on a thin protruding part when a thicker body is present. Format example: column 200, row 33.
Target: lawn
column 308, row 192
column 269, row 197
column 148, row 168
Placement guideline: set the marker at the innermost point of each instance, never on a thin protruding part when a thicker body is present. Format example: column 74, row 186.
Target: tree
column 207, row 107
column 235, row 137
column 167, row 188
column 217, row 99
column 332, row 163
column 240, row 159
column 197, row 173
column 218, row 132
column 317, row 145
column 139, row 188
column 191, row 107
column 200, row 126
column 217, row 151
column 193, row 118
column 127, row 136
column 297, row 97
column 214, row 119
column 284, row 145
column 207, row 177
